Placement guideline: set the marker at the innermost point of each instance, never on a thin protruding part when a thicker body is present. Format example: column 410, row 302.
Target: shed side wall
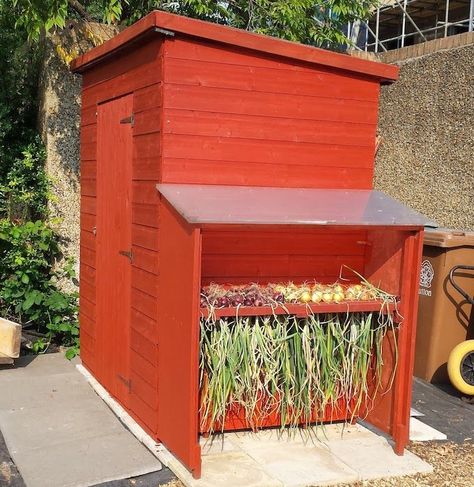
column 236, row 117
column 137, row 72
column 233, row 116
column 281, row 255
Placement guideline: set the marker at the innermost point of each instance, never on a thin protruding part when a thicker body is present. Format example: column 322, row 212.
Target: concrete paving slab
column 348, row 453
column 414, row 413
column 218, row 444
column 233, row 469
column 60, row 433
column 302, row 465
column 32, row 392
column 82, row 463
column 314, row 436
column 20, row 425
column 374, row 458
column 420, row 431
column 34, row 365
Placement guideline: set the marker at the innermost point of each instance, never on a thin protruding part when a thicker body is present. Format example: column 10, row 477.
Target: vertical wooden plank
column 178, row 338
column 391, row 412
column 412, row 253
column 113, row 275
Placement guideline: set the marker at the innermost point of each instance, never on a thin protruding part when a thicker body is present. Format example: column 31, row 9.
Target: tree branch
column 80, row 9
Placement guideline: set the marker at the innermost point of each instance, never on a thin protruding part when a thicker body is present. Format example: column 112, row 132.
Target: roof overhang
column 164, row 23
column 204, row 205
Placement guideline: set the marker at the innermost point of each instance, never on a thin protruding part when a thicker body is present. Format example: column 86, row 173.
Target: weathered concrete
column 335, row 455
column 60, row 433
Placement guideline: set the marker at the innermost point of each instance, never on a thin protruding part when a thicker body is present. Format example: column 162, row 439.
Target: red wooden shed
column 198, row 108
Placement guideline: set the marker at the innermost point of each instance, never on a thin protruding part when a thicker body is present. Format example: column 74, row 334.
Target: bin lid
column 447, row 237
column 213, row 204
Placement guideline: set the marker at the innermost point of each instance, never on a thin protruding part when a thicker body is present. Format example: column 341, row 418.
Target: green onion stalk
column 304, row 370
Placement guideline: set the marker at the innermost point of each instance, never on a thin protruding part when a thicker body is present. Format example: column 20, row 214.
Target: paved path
column 444, row 409
column 35, row 386
column 59, row 432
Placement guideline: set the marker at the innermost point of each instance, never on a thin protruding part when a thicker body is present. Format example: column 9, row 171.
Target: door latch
column 130, row 120
column 127, row 253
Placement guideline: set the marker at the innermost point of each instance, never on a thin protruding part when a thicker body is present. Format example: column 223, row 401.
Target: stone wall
column 59, row 125
column 59, row 118
column 426, row 121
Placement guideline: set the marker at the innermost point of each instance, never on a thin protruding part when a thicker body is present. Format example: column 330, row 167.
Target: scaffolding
column 400, row 23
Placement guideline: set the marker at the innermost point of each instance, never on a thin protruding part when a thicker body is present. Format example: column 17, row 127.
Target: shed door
column 114, row 176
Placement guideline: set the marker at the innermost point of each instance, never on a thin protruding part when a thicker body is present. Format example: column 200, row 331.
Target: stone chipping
column 426, row 121
column 59, row 119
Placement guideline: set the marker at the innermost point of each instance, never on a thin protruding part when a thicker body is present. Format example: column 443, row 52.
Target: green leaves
column 304, row 370
column 318, row 22
column 29, row 291
column 29, row 250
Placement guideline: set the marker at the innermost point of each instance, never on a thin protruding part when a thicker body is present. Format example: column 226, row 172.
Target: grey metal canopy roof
column 210, row 204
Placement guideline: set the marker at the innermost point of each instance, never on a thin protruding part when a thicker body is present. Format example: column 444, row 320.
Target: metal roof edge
column 171, row 23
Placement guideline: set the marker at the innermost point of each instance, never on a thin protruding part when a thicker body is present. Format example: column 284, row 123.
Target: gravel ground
column 453, row 467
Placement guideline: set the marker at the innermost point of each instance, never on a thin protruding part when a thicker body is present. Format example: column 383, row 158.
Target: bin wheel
column 461, row 367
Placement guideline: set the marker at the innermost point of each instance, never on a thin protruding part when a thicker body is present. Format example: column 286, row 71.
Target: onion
column 305, row 297
column 350, row 295
column 317, row 296
column 338, row 297
column 327, row 297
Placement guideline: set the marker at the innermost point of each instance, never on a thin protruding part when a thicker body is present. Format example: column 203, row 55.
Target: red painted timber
column 269, row 104
column 199, row 171
column 301, row 310
column 243, row 126
column 184, row 69
column 214, row 105
column 178, row 338
column 236, row 418
column 239, row 38
column 114, row 176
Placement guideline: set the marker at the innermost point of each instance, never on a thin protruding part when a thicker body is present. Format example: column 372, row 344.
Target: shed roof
column 166, row 23
column 208, row 204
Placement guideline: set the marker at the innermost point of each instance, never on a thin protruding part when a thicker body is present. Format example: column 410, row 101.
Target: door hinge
column 127, row 382
column 127, row 253
column 130, row 120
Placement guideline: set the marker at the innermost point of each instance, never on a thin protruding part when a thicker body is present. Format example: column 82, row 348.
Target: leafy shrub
column 30, row 290
column 24, row 192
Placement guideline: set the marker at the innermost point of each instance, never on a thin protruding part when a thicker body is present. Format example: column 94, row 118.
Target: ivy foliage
column 315, row 22
column 30, row 290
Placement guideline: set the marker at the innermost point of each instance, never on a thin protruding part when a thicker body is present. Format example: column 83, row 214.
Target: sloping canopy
column 208, row 204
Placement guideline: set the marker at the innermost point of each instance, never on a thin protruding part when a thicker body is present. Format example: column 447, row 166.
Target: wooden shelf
column 301, row 310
